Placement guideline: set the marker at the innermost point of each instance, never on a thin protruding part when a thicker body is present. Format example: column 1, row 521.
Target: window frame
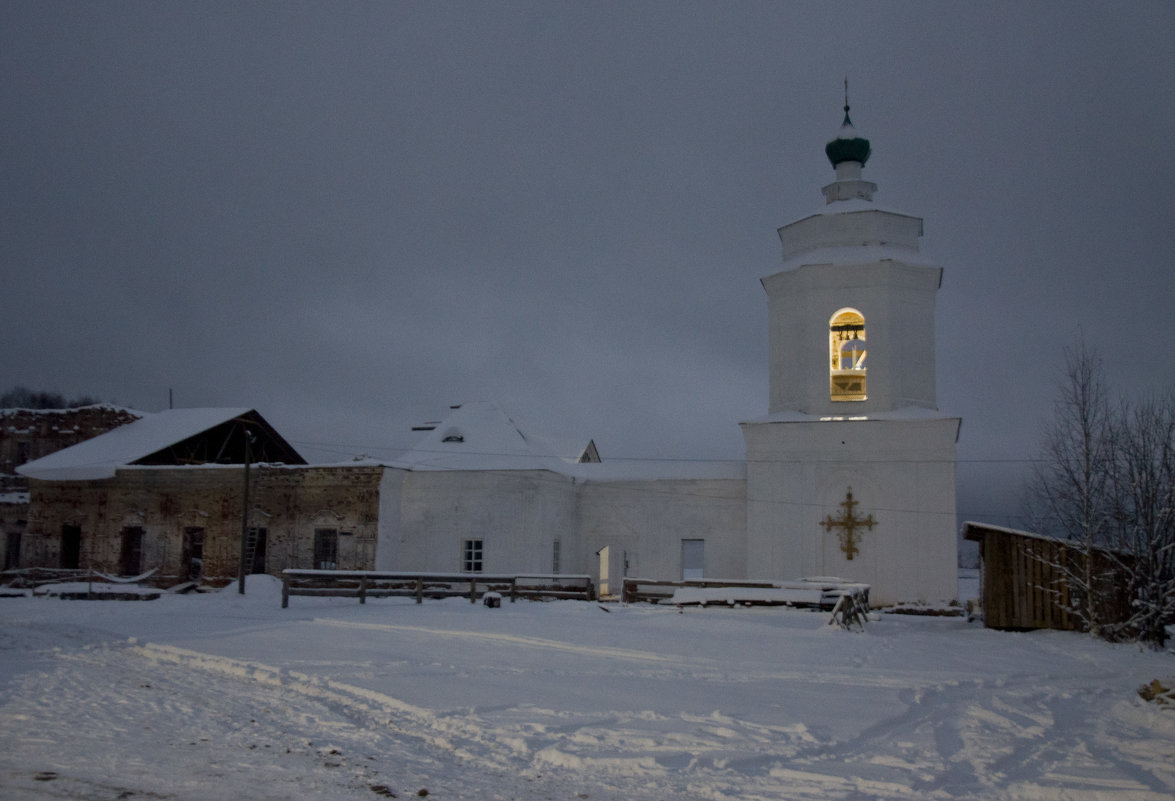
column 473, row 555
column 846, row 330
column 326, row 540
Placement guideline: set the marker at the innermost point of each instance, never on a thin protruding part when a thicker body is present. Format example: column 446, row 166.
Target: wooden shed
column 1023, row 582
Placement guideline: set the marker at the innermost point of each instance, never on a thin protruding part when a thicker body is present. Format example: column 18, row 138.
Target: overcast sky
column 351, row 215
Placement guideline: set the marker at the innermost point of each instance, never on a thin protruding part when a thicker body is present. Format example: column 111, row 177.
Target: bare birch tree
column 1072, row 485
column 1106, row 484
column 1144, row 495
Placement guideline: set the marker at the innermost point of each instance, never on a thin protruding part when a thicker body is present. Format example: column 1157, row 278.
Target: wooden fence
column 364, row 584
column 36, row 576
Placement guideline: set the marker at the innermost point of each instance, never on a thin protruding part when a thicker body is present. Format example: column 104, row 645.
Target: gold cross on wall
column 848, row 523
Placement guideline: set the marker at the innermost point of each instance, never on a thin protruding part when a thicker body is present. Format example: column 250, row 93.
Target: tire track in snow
column 100, row 722
column 604, row 753
column 509, row 639
column 621, row 744
column 461, row 738
column 852, row 677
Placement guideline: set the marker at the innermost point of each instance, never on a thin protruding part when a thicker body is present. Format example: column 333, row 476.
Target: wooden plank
column 361, row 584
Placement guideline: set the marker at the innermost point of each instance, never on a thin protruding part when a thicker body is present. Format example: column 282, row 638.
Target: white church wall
column 897, row 301
column 644, row 523
column 516, row 515
column 900, row 472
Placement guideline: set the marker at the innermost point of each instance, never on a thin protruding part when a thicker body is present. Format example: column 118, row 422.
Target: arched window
column 847, row 352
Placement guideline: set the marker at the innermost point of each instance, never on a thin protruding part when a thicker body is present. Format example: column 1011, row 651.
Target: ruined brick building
column 166, row 495
column 29, row 434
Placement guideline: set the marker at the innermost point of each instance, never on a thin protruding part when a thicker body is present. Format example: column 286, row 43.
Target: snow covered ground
column 227, row 697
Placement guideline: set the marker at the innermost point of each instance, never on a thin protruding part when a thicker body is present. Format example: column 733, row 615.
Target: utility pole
column 244, row 515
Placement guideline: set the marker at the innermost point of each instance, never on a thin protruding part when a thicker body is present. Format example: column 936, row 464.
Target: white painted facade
column 851, row 408
column 844, row 417
column 536, row 504
column 426, row 517
column 644, row 523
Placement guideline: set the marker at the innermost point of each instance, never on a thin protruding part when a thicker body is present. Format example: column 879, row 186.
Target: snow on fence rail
column 816, row 593
column 364, row 584
column 24, row 577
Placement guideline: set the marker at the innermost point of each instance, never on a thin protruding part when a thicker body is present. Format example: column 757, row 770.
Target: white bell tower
column 852, row 471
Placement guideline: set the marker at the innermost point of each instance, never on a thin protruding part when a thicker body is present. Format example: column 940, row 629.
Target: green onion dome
column 848, row 146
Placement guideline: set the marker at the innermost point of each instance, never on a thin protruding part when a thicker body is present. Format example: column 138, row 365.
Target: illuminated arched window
column 846, row 347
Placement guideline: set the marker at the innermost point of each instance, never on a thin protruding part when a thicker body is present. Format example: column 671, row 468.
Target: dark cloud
column 352, row 215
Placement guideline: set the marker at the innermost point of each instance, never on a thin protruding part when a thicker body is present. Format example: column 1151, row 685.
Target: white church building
column 850, row 474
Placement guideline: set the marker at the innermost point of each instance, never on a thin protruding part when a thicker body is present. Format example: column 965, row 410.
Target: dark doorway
column 326, row 549
column 12, row 551
column 255, row 545
column 71, row 547
column 131, row 559
column 193, row 558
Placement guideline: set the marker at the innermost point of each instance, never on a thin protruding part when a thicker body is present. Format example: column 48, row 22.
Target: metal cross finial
column 848, row 523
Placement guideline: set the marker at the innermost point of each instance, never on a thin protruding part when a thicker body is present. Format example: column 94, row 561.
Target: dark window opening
column 71, row 547
column 255, row 545
column 12, row 551
column 326, row 549
column 131, row 559
column 193, row 555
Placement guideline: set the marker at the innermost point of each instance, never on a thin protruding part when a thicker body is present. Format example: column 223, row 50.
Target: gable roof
column 480, row 436
column 174, row 437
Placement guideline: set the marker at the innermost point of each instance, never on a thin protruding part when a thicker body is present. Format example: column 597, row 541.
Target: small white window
column 471, row 556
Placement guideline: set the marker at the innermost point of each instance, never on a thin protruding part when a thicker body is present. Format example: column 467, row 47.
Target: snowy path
column 228, row 697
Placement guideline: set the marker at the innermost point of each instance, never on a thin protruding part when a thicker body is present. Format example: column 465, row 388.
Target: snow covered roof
column 480, row 436
column 975, row 532
column 17, row 410
column 142, row 442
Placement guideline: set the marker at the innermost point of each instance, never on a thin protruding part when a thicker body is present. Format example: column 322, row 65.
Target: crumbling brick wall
column 169, row 505
column 28, row 434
